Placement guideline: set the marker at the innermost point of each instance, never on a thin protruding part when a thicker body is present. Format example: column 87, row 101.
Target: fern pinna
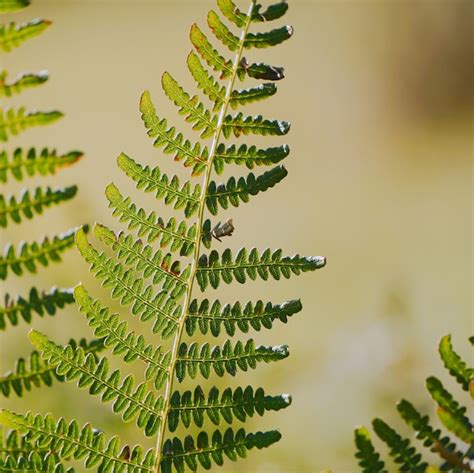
column 28, row 256
column 159, row 274
column 457, row 454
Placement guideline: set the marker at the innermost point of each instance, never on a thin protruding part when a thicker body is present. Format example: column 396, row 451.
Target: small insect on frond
column 222, row 230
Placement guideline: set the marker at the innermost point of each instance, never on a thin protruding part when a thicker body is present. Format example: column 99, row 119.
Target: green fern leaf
column 113, row 332
column 221, row 32
column 369, row 458
column 170, row 140
column 232, row 13
column 133, row 403
column 46, row 302
column 400, row 449
column 30, row 163
column 71, row 441
column 15, row 121
column 211, row 317
column 189, row 106
column 238, row 125
column 205, row 81
column 129, row 289
column 28, row 255
column 264, row 71
column 248, row 156
column 237, row 404
column 195, row 358
column 443, row 446
column 178, row 236
column 209, row 54
column 33, row 372
column 22, row 82
column 33, row 463
column 13, row 34
column 204, row 451
column 234, row 192
column 153, row 180
column 454, row 364
column 269, row 38
column 254, row 94
column 214, row 267
column 153, row 264
column 28, row 204
column 9, row 6
column 450, row 412
column 273, row 12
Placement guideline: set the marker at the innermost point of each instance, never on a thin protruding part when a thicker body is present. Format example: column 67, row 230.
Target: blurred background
column 379, row 94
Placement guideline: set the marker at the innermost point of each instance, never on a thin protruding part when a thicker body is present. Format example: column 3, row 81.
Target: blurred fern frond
column 456, row 450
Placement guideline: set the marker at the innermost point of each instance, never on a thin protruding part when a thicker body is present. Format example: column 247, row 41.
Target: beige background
column 379, row 94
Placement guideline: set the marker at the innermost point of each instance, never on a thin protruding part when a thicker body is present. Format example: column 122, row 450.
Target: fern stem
column 200, row 218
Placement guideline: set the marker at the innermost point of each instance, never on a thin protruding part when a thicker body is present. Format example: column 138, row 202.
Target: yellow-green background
column 379, row 94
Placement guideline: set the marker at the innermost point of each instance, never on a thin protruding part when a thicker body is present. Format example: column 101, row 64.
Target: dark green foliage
column 20, row 258
column 236, row 191
column 27, row 256
column 31, row 163
column 35, row 303
column 230, row 405
column 156, row 267
column 205, row 451
column 207, row 316
column 28, row 204
column 213, row 268
column 34, row 371
column 369, row 459
column 204, row 359
column 453, row 452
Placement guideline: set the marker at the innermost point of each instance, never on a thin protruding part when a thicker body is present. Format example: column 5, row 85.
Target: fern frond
column 369, row 458
column 28, row 256
column 30, row 163
column 236, row 191
column 13, row 35
column 454, row 364
column 152, row 264
column 451, row 414
column 222, row 32
column 170, row 140
column 132, row 402
column 33, row 372
column 195, row 358
column 129, row 289
column 248, row 156
column 34, row 303
column 253, row 94
column 212, row 317
column 264, row 71
column 443, row 446
column 178, row 236
column 170, row 190
column 400, row 449
column 33, row 463
column 204, row 450
column 9, row 6
column 239, row 124
column 213, row 268
column 71, row 441
column 22, row 82
column 114, row 334
column 15, row 121
column 194, row 110
column 30, row 204
column 188, row 407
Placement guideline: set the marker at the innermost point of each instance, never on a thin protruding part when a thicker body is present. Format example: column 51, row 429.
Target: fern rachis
column 159, row 288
